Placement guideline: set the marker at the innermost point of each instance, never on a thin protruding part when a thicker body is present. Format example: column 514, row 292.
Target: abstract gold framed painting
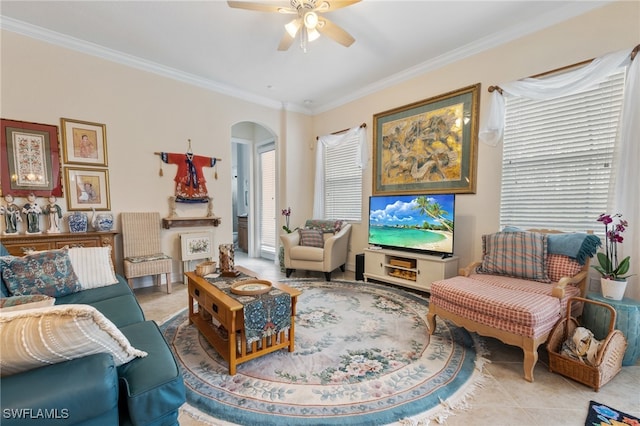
column 428, row 146
column 29, row 159
column 84, row 142
column 87, row 188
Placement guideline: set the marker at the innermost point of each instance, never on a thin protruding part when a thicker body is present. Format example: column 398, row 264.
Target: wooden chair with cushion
column 142, row 249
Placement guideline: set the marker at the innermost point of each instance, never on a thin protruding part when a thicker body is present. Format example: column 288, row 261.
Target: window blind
column 343, row 182
column 557, row 158
column 268, row 201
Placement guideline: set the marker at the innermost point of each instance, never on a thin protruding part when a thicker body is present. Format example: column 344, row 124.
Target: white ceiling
column 234, row 51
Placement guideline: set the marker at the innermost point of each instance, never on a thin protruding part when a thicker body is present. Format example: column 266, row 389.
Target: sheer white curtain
column 334, row 141
column 625, row 196
column 624, row 189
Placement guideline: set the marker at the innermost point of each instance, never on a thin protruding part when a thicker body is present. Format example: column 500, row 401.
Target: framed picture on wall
column 428, row 146
column 87, row 188
column 84, row 142
column 29, row 159
column 196, row 245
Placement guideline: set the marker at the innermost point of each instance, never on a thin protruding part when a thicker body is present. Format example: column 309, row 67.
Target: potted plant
column 613, row 280
column 287, row 214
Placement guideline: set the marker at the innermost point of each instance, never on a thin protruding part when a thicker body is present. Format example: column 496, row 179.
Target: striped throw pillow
column 311, row 238
column 515, row 254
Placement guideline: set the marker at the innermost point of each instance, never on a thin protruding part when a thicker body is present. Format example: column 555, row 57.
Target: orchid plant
column 609, row 267
column 287, row 214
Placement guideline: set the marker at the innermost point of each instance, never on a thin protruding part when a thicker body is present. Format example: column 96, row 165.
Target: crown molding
column 102, row 52
column 572, row 10
column 509, row 34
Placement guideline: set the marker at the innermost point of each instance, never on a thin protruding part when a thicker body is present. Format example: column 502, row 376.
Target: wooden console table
column 214, row 303
column 19, row 245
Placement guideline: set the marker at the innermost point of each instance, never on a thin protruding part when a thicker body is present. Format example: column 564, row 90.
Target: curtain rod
column 633, row 54
column 362, row 126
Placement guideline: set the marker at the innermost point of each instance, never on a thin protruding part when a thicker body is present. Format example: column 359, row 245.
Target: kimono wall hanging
column 190, row 179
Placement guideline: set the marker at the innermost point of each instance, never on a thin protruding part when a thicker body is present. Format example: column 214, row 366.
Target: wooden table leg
column 292, row 329
column 232, row 344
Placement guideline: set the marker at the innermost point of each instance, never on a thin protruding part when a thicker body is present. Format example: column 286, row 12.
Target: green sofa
column 91, row 390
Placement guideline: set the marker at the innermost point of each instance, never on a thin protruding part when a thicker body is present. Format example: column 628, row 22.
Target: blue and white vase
column 78, row 222
column 102, row 222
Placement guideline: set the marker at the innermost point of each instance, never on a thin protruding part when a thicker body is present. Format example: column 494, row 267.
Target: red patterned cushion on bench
column 524, row 313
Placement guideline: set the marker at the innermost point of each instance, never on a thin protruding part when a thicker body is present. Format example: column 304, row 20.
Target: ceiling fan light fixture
column 310, row 20
column 313, row 34
column 293, row 27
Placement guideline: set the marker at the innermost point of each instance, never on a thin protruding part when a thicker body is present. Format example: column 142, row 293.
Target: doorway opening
column 254, row 171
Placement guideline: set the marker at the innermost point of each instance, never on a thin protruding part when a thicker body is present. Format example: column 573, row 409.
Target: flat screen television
column 419, row 223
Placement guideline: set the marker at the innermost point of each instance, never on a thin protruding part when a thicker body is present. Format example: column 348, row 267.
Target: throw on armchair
column 322, row 245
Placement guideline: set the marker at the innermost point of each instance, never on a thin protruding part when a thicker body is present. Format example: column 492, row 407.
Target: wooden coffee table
column 206, row 301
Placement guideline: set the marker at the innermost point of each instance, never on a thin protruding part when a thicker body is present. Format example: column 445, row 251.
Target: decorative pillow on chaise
column 19, row 303
column 38, row 337
column 48, row 272
column 560, row 266
column 515, row 254
column 93, row 266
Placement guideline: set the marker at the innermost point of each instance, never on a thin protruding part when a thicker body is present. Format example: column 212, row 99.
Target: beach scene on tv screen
column 423, row 222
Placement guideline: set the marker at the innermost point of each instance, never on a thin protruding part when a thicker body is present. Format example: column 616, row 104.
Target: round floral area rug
column 363, row 356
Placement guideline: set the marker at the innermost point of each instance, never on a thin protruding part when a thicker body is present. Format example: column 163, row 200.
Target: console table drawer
column 24, row 248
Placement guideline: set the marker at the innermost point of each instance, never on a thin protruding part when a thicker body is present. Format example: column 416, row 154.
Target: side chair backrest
column 140, row 234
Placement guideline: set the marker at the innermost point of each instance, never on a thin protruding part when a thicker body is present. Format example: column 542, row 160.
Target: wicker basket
column 608, row 360
column 205, row 268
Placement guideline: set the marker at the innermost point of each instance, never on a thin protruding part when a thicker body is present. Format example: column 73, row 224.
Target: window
column 343, row 181
column 268, row 224
column 557, row 157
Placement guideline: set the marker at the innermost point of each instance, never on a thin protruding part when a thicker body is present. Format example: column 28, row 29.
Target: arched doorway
column 254, row 183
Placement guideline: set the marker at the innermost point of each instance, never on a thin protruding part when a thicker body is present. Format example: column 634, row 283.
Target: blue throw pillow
column 47, row 272
column 3, row 288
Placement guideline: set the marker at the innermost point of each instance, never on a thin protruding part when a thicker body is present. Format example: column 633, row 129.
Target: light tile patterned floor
column 505, row 399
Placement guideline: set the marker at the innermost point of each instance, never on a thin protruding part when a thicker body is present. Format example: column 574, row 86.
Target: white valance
column 548, row 88
column 334, row 141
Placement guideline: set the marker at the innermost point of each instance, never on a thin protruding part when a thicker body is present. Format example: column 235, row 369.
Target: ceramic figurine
column 78, row 222
column 101, row 221
column 54, row 212
column 33, row 212
column 11, row 214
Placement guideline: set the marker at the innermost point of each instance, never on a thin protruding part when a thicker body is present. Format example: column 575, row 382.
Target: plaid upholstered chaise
column 518, row 292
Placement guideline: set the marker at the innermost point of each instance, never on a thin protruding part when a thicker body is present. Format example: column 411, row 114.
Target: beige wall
column 144, row 112
column 611, row 28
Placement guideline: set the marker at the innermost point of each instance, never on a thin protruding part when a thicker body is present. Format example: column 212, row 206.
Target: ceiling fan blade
column 327, row 6
column 333, row 31
column 260, row 7
column 286, row 42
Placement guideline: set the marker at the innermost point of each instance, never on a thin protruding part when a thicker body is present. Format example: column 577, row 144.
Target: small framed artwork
column 84, row 142
column 196, row 245
column 29, row 159
column 87, row 188
column 428, row 146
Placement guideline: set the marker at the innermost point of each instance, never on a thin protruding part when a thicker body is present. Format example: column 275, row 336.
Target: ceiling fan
column 309, row 22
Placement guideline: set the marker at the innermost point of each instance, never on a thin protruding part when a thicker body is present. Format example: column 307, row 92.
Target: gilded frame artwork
column 196, row 245
column 84, row 142
column 29, row 159
column 87, row 188
column 428, row 146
